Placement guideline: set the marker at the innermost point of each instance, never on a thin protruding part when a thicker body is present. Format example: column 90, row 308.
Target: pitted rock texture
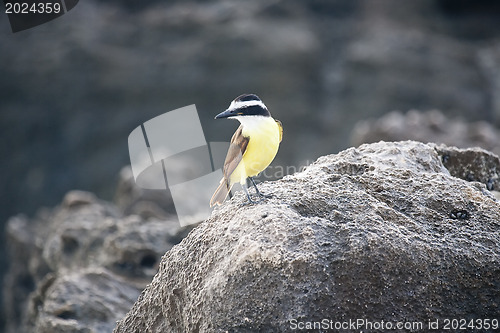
column 383, row 231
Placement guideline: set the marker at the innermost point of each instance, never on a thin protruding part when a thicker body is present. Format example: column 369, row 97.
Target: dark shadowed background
column 73, row 89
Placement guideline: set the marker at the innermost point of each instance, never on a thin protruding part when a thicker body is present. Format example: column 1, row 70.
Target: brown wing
column 280, row 128
column 235, row 153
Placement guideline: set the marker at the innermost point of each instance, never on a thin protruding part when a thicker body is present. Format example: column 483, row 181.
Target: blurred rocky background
column 80, row 266
column 73, row 89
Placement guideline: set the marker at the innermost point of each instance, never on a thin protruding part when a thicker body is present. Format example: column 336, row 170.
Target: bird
column 253, row 146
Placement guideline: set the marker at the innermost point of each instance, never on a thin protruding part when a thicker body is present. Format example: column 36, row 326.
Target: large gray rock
column 386, row 231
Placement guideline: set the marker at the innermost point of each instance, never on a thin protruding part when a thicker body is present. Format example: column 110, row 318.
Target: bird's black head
column 245, row 105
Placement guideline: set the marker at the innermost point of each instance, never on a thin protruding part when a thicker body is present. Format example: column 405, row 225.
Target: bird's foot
column 261, row 195
column 264, row 196
column 250, row 202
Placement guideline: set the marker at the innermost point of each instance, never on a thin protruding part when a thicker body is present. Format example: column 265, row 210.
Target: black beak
column 226, row 114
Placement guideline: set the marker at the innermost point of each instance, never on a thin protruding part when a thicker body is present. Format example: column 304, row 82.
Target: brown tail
column 220, row 193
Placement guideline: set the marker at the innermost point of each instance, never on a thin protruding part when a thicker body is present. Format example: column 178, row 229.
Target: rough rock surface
column 386, row 231
column 81, row 266
column 430, row 126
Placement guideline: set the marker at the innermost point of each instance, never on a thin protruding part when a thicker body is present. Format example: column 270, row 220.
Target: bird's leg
column 257, row 190
column 244, row 186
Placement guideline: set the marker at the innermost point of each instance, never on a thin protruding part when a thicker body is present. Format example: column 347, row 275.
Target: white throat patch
column 253, row 123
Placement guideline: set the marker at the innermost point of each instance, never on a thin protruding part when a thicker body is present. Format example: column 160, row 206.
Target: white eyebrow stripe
column 240, row 105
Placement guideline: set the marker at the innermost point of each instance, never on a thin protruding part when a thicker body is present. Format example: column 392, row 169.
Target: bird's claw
column 264, row 196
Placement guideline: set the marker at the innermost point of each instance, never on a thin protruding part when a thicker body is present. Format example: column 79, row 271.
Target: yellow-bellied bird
column 253, row 146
